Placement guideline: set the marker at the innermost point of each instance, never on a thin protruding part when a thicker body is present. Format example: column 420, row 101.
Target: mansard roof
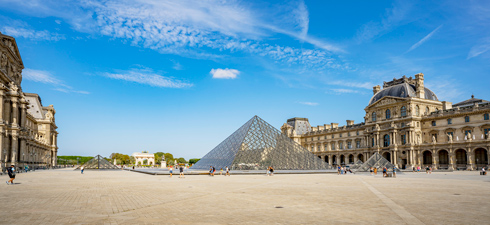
column 470, row 101
column 402, row 90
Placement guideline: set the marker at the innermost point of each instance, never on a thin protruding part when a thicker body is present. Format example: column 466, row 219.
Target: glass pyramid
column 257, row 145
column 98, row 162
column 376, row 160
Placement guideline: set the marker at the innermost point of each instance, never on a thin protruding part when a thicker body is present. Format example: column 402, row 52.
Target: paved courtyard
column 123, row 197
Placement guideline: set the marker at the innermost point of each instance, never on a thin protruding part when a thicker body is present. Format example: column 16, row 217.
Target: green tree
column 145, row 162
column 132, row 160
column 193, row 161
column 181, row 160
column 158, row 157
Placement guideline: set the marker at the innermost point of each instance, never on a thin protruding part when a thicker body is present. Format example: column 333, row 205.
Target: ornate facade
column 140, row 158
column 28, row 129
column 409, row 126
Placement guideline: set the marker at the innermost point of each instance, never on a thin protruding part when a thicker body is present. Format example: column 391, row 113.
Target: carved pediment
column 387, row 100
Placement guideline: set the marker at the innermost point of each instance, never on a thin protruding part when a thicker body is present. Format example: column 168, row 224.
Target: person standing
column 210, row 170
column 375, row 171
column 11, row 172
column 371, row 170
column 394, row 171
column 221, row 171
column 272, row 171
column 181, row 169
column 170, row 171
column 81, row 169
column 227, row 171
column 384, row 172
column 338, row 169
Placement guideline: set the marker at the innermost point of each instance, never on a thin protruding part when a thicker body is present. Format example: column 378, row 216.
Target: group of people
column 374, row 171
column 181, row 171
column 343, row 170
column 212, row 170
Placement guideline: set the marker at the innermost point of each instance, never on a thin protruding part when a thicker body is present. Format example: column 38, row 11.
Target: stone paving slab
column 123, row 197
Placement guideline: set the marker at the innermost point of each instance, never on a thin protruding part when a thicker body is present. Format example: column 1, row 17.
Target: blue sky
column 181, row 76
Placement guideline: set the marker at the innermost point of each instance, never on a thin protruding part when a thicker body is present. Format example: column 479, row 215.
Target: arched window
column 386, row 140
column 374, row 117
column 417, row 110
column 403, row 111
column 427, row 110
column 388, row 114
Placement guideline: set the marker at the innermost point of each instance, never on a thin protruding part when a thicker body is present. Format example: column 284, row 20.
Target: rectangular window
column 333, row 135
column 433, row 123
column 341, row 145
column 340, row 135
column 372, row 142
column 404, row 139
column 466, row 119
column 449, row 121
column 333, row 146
column 466, row 132
column 326, row 147
column 402, row 124
column 449, row 134
column 485, row 116
column 357, row 132
column 349, row 145
column 348, row 134
column 318, row 138
column 486, row 132
column 358, row 144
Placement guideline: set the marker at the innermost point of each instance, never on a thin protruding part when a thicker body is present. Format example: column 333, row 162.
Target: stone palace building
column 27, row 128
column 407, row 124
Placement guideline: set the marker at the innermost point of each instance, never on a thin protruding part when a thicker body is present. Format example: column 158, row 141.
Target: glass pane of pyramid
column 376, row 160
column 257, row 145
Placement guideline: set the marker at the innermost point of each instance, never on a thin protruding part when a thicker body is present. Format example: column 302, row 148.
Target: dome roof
column 403, row 90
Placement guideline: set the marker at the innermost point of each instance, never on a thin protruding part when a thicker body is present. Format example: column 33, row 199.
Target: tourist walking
column 338, row 169
column 11, row 172
column 394, row 171
column 227, row 171
column 214, row 170
column 418, row 169
column 427, row 170
column 413, row 169
column 81, row 169
column 221, row 171
column 375, row 170
column 181, row 169
column 371, row 170
column 26, row 168
column 210, row 171
column 271, row 170
column 384, row 172
column 170, row 171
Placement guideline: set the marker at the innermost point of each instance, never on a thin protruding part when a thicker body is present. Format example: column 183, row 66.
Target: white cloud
column 398, row 14
column 309, row 103
column 224, row 73
column 365, row 85
column 149, row 77
column 191, row 28
column 46, row 77
column 344, row 91
column 427, row 37
column 31, row 34
column 478, row 50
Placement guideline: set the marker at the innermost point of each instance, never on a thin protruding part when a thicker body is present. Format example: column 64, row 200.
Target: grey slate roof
column 403, row 90
column 470, row 101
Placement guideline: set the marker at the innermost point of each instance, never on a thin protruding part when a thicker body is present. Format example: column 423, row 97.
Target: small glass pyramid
column 376, row 160
column 98, row 162
column 256, row 146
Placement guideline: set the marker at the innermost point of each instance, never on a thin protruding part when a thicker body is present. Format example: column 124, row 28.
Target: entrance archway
column 334, row 160
column 351, row 158
column 427, row 155
column 326, row 158
column 360, row 157
column 461, row 158
column 443, row 157
column 387, row 156
column 342, row 160
column 481, row 157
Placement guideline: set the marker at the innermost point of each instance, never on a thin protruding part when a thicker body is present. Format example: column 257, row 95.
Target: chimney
column 334, row 125
column 350, row 122
column 376, row 89
column 447, row 105
column 419, row 79
column 327, row 126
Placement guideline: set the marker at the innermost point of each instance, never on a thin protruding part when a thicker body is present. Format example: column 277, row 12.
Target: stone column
column 15, row 113
column 23, row 151
column 3, row 158
column 14, row 149
column 470, row 158
column 394, row 157
column 23, row 115
column 1, row 103
column 451, row 159
column 330, row 160
column 434, row 160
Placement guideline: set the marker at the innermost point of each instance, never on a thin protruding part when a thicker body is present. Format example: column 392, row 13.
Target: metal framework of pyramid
column 257, row 145
column 356, row 165
column 98, row 163
column 376, row 160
